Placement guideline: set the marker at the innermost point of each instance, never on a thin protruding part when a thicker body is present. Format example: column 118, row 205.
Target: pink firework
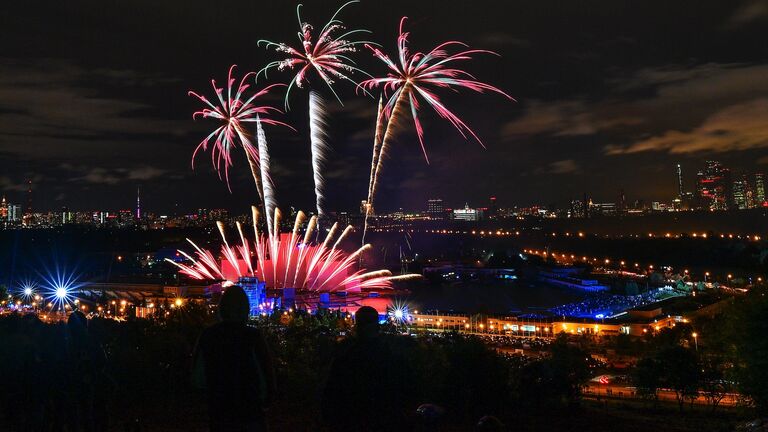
column 415, row 76
column 232, row 108
column 412, row 78
column 288, row 260
column 326, row 54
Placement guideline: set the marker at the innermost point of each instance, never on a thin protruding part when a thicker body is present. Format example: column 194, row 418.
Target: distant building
column 435, row 209
column 621, row 204
column 743, row 195
column 680, row 190
column 492, row 207
column 760, row 190
column 3, row 210
column 577, row 209
column 14, row 213
column 66, row 216
column 604, row 209
column 713, row 186
column 468, row 214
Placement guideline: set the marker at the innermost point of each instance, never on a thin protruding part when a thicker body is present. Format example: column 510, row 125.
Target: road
column 618, row 391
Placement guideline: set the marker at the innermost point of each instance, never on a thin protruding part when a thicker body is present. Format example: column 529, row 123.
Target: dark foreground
column 142, row 381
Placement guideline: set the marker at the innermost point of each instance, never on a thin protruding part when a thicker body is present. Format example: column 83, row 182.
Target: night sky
column 611, row 94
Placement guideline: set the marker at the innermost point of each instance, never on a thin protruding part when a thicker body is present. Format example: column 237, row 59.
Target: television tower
column 138, row 202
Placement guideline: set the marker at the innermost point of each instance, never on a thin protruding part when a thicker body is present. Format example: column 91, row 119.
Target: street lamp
column 695, row 339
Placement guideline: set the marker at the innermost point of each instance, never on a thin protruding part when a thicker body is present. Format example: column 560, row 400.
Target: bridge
column 136, row 292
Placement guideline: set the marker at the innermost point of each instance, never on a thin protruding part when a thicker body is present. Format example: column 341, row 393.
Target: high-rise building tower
column 740, row 200
column 621, row 203
column 492, row 207
column 760, row 200
column 713, row 186
column 680, row 190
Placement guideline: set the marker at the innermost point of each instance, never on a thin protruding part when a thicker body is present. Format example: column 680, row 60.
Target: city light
column 60, row 286
column 398, row 312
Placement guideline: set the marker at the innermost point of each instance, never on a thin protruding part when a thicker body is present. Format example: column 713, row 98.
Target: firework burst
column 234, row 109
column 411, row 82
column 327, row 54
column 288, row 260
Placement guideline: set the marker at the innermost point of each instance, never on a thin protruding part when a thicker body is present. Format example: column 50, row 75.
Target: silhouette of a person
column 369, row 385
column 86, row 360
column 233, row 364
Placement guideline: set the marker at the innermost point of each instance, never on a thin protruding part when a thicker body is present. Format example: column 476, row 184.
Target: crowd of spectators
column 601, row 305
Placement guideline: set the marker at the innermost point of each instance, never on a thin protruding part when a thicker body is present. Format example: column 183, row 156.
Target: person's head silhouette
column 234, row 305
column 77, row 322
column 367, row 322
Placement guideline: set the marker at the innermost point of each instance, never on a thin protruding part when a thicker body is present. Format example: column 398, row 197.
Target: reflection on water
column 496, row 297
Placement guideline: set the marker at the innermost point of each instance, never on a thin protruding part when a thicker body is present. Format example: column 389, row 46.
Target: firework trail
column 270, row 203
column 413, row 78
column 287, row 260
column 319, row 147
column 233, row 108
column 374, row 162
column 327, row 55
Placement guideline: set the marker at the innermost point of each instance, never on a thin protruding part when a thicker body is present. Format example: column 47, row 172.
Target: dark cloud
column 749, row 12
column 734, row 128
column 565, row 166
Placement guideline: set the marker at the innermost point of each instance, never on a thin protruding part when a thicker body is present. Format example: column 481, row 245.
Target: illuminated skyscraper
column 740, row 200
column 713, row 186
column 14, row 213
column 760, row 189
column 680, row 190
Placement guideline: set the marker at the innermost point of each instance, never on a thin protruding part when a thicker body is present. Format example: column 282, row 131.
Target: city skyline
column 737, row 191
column 89, row 125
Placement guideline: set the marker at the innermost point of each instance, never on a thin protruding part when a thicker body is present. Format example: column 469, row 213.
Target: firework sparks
column 318, row 135
column 288, row 260
column 234, row 109
column 270, row 202
column 327, row 55
column 413, row 78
